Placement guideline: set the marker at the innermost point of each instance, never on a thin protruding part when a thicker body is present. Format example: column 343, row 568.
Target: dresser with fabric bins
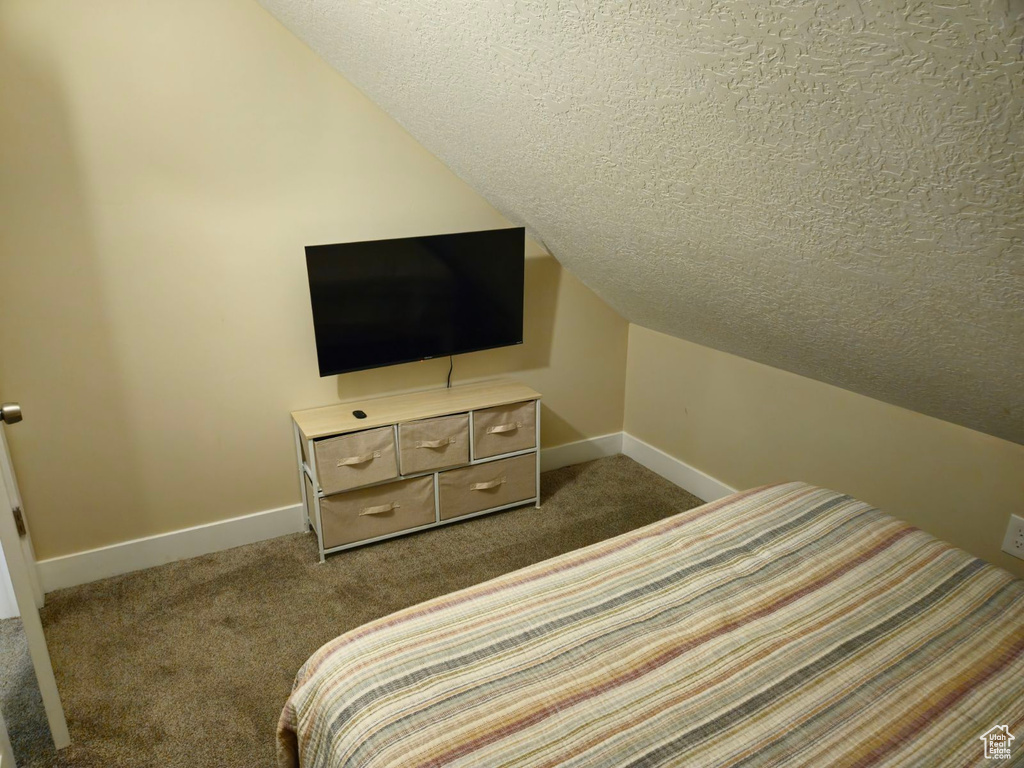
column 416, row 461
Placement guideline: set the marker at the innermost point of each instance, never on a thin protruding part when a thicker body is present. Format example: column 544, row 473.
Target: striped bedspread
column 787, row 625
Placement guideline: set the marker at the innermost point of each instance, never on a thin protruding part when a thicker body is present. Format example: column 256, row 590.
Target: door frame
column 29, row 552
column 21, row 579
column 6, row 750
column 8, row 604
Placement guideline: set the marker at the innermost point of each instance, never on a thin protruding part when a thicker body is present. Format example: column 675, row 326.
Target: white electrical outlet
column 1014, row 542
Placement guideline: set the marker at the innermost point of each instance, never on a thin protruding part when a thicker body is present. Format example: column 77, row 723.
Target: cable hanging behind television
column 384, row 302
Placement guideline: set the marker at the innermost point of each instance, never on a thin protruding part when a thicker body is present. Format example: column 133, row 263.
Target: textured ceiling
column 832, row 188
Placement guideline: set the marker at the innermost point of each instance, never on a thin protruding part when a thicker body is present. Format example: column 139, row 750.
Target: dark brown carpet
column 190, row 663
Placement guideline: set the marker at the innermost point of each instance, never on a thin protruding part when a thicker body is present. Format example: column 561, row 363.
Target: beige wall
column 748, row 424
column 162, row 167
column 163, row 164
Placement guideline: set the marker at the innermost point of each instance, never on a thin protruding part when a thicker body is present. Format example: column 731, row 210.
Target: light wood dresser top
column 381, row 411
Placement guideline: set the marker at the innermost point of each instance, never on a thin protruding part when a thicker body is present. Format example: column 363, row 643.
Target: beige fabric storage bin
column 474, row 489
column 431, row 444
column 371, row 512
column 355, row 459
column 504, row 429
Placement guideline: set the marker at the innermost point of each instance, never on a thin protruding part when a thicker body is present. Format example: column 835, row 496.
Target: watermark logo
column 997, row 743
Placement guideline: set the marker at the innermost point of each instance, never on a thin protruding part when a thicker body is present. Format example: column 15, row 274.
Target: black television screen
column 383, row 302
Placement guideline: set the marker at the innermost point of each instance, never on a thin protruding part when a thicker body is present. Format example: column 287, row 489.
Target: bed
column 786, row 625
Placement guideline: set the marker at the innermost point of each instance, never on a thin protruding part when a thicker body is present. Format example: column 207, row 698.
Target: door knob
column 10, row 413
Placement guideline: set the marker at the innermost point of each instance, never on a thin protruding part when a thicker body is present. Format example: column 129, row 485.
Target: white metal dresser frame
column 307, row 468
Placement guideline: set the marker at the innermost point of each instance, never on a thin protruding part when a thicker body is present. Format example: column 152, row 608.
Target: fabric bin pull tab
column 380, row 509
column 488, row 485
column 353, row 460
column 436, row 443
column 504, row 427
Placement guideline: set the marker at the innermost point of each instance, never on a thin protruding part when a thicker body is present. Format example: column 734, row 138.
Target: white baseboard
column 701, row 485
column 113, row 560
column 94, row 564
column 580, row 451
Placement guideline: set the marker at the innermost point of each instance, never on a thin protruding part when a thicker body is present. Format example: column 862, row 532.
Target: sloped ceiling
column 832, row 188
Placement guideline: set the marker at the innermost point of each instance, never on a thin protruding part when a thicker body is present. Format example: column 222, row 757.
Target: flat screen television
column 383, row 302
